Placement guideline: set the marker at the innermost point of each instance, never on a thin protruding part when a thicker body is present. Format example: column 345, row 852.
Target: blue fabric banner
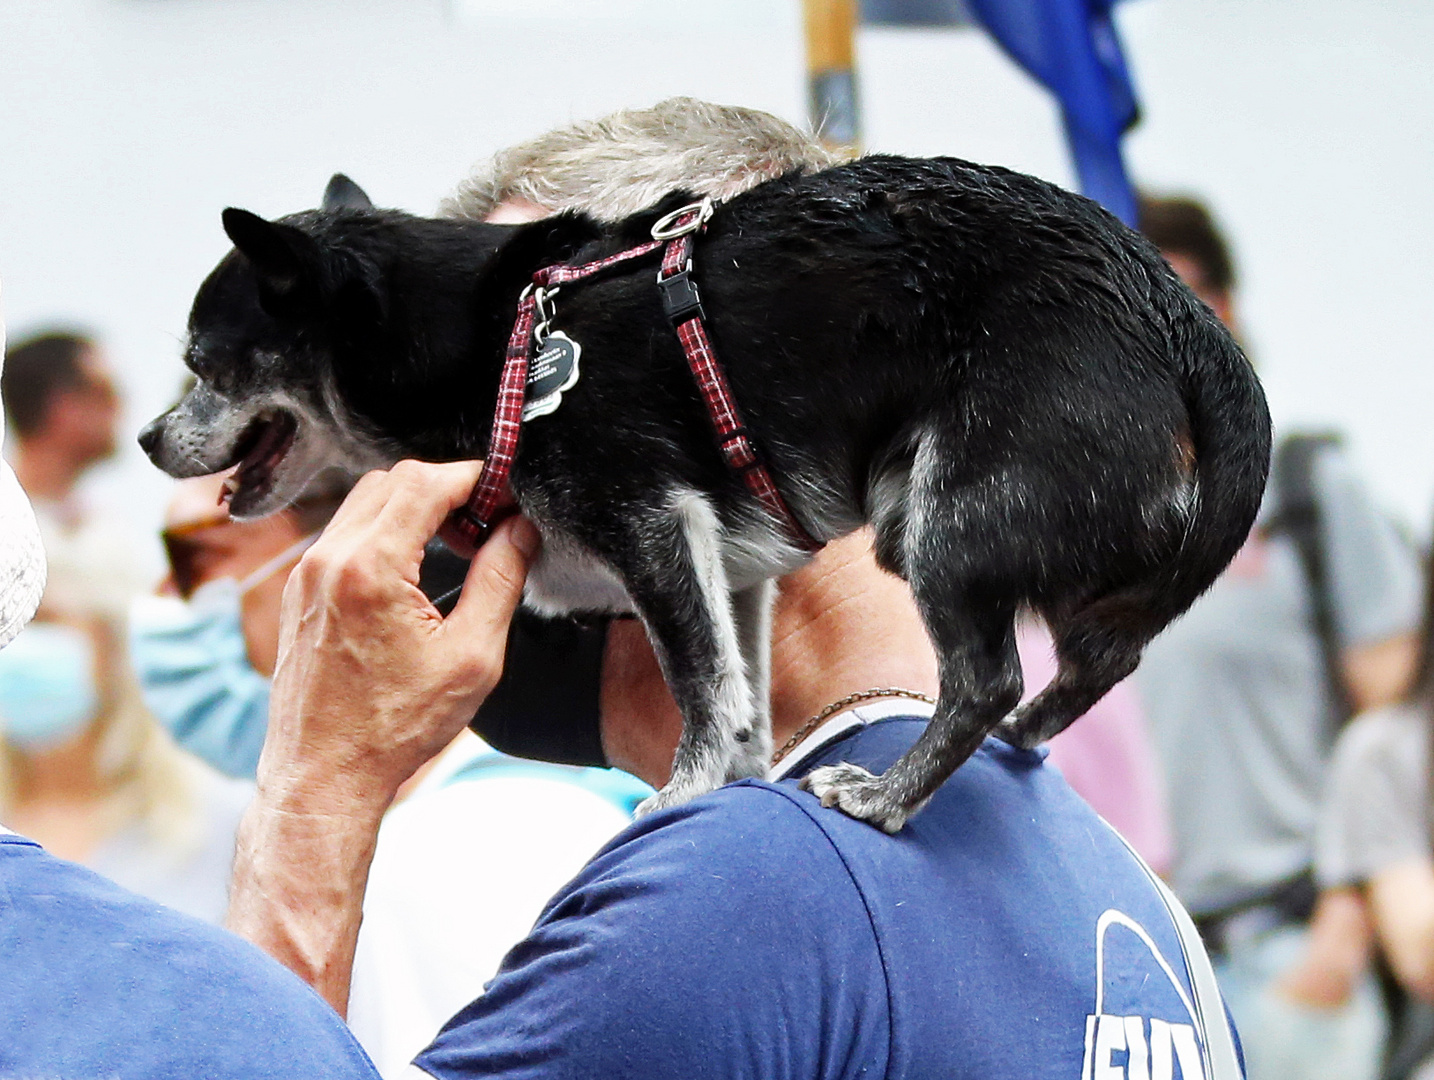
column 1069, row 46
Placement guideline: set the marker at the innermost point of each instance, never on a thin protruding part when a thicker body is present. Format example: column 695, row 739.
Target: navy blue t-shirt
column 98, row 982
column 1006, row 932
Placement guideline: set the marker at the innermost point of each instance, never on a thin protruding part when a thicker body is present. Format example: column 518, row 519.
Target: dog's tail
column 1230, row 447
column 1226, row 454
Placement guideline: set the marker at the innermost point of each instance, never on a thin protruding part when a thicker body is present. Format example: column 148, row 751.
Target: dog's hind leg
column 1096, row 647
column 672, row 567
column 980, row 683
column 952, row 552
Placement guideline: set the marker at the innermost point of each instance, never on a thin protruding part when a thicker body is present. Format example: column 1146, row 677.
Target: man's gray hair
column 627, row 161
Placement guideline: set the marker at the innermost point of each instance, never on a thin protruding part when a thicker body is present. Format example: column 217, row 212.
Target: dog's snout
column 150, row 436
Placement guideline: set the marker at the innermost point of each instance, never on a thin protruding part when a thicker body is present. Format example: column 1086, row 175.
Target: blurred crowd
column 1270, row 758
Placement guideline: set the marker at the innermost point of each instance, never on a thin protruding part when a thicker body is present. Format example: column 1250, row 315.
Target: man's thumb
column 494, row 583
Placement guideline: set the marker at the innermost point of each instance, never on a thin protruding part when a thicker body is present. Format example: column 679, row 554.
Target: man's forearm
column 300, row 871
column 371, row 683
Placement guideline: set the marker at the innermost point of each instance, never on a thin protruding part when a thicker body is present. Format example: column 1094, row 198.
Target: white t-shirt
column 460, row 874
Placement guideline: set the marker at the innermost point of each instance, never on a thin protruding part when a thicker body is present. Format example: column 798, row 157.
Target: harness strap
column 561, row 274
column 471, row 520
column 683, row 305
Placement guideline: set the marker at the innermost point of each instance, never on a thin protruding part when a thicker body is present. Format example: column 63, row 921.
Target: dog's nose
column 149, row 437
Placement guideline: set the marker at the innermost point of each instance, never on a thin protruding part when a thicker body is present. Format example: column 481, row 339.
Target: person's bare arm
column 371, row 683
column 1379, row 674
column 1402, row 899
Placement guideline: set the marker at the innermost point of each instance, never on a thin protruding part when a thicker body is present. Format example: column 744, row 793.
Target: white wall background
column 125, row 125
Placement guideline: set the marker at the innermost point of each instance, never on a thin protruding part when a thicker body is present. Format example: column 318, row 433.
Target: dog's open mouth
column 258, row 452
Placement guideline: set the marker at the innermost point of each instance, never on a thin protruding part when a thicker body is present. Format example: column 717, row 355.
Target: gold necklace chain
column 836, row 706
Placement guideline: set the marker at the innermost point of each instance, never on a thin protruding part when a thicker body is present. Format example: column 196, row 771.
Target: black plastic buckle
column 680, row 298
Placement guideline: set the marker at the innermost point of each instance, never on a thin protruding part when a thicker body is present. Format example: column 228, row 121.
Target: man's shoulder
column 1343, row 495
column 758, row 819
column 751, row 826
column 1333, row 472
column 1005, row 829
column 115, row 984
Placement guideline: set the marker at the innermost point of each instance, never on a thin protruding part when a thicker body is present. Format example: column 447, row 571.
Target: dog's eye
column 203, row 359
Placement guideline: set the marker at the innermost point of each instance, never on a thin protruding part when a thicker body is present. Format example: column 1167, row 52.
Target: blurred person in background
column 87, row 772
column 435, row 926
column 204, row 647
column 1376, row 835
column 1246, row 693
column 63, row 406
column 99, row 981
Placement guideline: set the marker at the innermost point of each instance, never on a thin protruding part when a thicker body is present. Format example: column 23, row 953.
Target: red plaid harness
column 683, row 306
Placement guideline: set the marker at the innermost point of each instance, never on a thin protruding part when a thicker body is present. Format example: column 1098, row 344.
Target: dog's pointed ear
column 287, row 261
column 343, row 194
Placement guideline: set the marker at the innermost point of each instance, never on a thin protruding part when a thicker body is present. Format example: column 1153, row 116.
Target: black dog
column 1011, row 386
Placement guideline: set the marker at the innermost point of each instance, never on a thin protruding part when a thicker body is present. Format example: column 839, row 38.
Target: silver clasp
column 668, row 228
column 545, row 309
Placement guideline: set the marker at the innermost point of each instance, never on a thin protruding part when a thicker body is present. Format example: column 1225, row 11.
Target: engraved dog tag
column 552, row 371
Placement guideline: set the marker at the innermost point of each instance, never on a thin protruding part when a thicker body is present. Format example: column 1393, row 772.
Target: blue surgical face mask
column 47, row 686
column 193, row 668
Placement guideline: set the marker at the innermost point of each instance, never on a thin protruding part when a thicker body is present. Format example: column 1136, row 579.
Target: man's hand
column 371, row 683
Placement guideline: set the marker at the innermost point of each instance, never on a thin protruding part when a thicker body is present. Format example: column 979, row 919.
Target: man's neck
column 46, row 471
column 841, row 625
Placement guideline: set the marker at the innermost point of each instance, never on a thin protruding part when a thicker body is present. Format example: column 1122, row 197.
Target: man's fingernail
column 524, row 536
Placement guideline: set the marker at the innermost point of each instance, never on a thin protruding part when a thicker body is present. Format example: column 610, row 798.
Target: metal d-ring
column 667, row 227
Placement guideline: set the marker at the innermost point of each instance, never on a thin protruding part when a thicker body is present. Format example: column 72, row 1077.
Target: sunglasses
column 193, row 547
column 197, row 548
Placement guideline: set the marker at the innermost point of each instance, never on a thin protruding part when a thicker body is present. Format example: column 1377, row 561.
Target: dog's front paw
column 857, row 793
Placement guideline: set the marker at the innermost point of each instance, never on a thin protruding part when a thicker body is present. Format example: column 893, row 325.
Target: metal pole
column 831, row 71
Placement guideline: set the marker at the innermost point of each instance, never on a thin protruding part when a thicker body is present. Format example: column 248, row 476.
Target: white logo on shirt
column 1152, row 1047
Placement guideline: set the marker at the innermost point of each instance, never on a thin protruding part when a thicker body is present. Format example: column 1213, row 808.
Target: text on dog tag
column 552, row 371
